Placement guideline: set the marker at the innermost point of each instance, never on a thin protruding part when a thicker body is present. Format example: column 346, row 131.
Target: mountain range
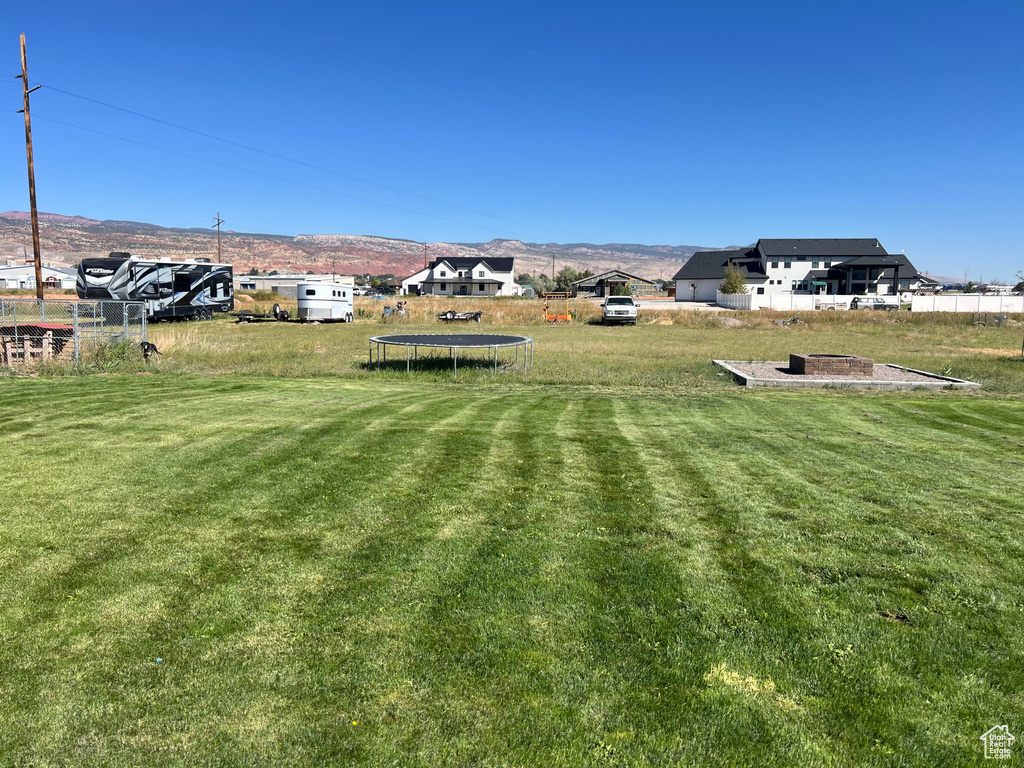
column 67, row 239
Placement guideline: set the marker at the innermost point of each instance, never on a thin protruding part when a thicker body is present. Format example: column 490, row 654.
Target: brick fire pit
column 827, row 366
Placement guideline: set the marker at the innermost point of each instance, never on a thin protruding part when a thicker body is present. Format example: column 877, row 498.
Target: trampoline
column 453, row 342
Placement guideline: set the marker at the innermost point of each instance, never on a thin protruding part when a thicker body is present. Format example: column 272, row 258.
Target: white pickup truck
column 619, row 309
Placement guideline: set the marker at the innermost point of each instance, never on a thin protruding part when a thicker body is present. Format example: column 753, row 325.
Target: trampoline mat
column 452, row 340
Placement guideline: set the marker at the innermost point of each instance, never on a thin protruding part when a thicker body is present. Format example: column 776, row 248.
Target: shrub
column 734, row 281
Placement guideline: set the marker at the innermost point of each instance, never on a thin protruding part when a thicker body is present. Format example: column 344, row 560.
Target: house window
column 873, row 275
column 775, row 265
column 444, row 286
column 443, row 273
column 827, row 264
column 860, row 273
column 814, row 265
column 787, row 264
column 760, row 289
column 482, row 287
column 481, row 273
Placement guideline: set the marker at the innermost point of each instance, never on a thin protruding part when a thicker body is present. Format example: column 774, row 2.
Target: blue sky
column 658, row 122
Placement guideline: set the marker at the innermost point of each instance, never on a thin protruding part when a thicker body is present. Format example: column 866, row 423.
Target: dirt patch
column 984, row 350
column 899, row 616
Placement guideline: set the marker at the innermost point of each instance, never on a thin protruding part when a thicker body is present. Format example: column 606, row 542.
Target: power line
column 304, row 163
column 260, row 173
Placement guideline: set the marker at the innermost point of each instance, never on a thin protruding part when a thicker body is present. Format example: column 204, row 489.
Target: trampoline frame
column 412, row 348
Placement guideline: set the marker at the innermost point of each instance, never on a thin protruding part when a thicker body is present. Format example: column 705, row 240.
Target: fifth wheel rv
column 192, row 289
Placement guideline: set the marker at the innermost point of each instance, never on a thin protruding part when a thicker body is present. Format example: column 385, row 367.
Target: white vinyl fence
column 967, row 302
column 782, row 302
column 734, row 300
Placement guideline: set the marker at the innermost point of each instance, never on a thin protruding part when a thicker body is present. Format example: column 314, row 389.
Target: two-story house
column 847, row 266
column 464, row 276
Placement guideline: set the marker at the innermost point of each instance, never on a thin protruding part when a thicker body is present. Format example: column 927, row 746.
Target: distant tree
column 971, row 287
column 567, row 276
column 525, row 279
column 1019, row 287
column 253, row 271
column 543, row 284
column 311, row 272
column 733, row 281
column 272, row 273
column 621, row 289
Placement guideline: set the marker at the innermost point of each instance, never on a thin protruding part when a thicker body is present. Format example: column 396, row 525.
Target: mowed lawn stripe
column 864, row 556
column 481, row 647
column 398, row 573
column 359, row 628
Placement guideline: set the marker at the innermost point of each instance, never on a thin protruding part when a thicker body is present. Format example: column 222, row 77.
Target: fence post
column 74, row 324
column 42, row 310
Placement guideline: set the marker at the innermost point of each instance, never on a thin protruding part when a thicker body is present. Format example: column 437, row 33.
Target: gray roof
column 836, row 246
column 710, row 265
column 497, row 264
column 593, row 279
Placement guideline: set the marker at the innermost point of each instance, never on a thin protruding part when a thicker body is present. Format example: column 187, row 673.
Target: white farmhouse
column 846, row 266
column 464, row 276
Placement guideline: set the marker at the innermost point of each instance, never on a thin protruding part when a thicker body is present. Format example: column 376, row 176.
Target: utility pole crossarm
column 218, row 221
column 31, row 171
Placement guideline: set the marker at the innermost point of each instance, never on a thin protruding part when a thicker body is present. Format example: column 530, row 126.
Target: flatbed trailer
column 248, row 316
column 451, row 316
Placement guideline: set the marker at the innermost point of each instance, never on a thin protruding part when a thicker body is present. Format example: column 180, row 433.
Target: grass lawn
column 381, row 570
column 650, row 357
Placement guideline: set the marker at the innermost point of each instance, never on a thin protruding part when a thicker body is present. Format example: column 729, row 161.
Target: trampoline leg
column 495, row 359
column 455, row 356
column 406, row 358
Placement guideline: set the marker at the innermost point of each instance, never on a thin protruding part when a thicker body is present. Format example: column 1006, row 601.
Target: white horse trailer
column 325, row 302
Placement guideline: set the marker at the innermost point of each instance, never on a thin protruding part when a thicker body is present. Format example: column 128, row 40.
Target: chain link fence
column 31, row 329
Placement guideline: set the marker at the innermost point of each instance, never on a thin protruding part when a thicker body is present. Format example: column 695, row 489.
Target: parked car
column 619, row 309
column 873, row 302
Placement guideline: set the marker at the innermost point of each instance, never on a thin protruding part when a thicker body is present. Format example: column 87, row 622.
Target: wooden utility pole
column 218, row 221
column 31, row 171
column 424, row 255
